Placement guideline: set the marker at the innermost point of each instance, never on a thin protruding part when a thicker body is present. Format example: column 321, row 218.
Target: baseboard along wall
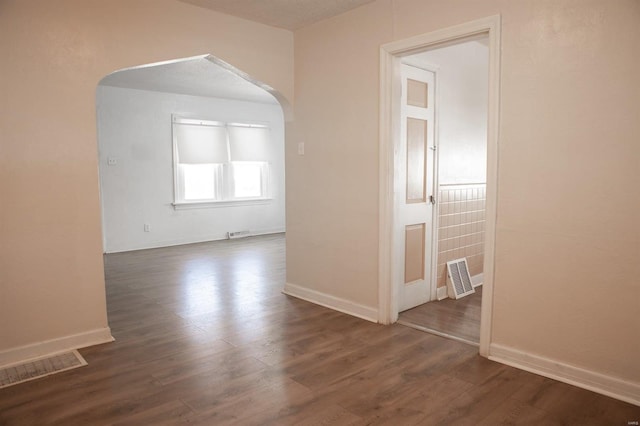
column 184, row 241
column 600, row 383
column 336, row 303
column 48, row 347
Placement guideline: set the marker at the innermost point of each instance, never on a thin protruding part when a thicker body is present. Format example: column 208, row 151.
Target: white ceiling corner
column 287, row 14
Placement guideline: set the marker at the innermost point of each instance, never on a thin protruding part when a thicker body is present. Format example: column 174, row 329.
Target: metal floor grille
column 41, row 367
column 458, row 279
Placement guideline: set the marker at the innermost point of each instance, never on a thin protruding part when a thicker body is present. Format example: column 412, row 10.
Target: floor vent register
column 40, row 367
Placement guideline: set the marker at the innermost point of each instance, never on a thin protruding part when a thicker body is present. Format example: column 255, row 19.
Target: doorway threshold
column 437, row 333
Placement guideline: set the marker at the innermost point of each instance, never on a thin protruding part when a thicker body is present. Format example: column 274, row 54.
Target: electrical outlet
column 300, row 148
column 147, row 227
column 112, row 161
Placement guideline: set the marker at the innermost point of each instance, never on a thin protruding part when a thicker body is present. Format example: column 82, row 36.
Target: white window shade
column 249, row 143
column 201, row 144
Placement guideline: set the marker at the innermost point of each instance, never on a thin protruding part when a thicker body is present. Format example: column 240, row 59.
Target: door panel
column 416, row 174
column 417, row 93
column 414, row 253
column 416, row 159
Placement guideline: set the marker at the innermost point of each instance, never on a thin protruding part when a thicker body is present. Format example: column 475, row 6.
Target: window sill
column 217, row 204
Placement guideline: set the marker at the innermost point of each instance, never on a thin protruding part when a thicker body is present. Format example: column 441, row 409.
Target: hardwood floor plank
column 478, row 402
column 167, row 414
column 459, row 318
column 514, row 412
column 412, row 403
column 204, row 336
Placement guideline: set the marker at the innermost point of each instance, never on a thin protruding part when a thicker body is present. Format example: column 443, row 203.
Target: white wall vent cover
column 238, row 234
column 458, row 279
column 40, row 367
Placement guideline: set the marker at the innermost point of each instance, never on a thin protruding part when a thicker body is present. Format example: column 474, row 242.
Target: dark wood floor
column 205, row 337
column 456, row 318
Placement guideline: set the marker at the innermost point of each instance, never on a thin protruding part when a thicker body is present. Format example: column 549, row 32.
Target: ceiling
column 199, row 76
column 287, row 14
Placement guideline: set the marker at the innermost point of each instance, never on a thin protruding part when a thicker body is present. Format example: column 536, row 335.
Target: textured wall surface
column 568, row 141
column 53, row 56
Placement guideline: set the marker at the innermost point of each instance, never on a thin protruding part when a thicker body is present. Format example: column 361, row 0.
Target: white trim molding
column 442, row 293
column 54, row 346
column 328, row 301
column 203, row 238
column 390, row 59
column 477, row 280
column 597, row 382
column 222, row 203
column 437, row 333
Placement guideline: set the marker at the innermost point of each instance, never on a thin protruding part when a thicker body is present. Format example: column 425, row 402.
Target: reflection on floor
column 459, row 319
column 204, row 336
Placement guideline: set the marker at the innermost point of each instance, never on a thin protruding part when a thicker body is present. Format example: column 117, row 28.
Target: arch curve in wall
column 137, row 174
column 193, row 75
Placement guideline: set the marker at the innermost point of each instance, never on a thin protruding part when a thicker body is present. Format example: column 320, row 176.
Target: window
column 218, row 162
column 200, row 181
column 247, row 179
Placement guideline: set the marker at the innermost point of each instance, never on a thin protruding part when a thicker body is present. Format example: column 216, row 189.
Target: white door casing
column 415, row 163
column 390, row 65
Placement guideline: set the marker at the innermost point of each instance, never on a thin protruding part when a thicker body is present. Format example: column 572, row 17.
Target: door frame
column 390, row 59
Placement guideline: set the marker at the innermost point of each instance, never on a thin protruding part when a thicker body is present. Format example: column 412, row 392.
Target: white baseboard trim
column 184, row 241
column 54, row 346
column 586, row 379
column 268, row 232
column 441, row 293
column 328, row 301
column 477, row 280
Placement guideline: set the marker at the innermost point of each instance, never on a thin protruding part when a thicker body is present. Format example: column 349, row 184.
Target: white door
column 414, row 188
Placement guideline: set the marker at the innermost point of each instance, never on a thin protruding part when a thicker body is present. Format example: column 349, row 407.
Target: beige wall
column 568, row 240
column 53, row 55
column 332, row 217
